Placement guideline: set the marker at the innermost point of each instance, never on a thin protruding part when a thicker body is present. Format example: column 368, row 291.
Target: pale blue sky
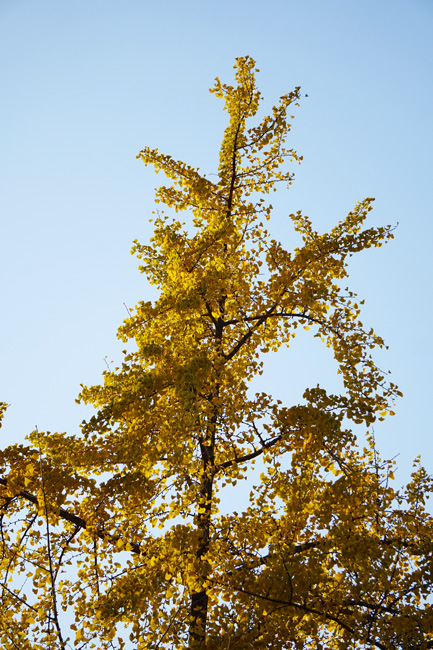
column 85, row 85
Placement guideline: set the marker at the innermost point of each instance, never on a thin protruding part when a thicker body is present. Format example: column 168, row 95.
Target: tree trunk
column 199, row 598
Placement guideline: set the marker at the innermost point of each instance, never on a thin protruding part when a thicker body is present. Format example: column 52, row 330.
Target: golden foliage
column 121, row 525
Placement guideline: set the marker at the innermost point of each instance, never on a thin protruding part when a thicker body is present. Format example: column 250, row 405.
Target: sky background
column 86, row 85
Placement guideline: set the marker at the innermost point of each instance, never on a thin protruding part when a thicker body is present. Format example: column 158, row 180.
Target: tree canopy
column 116, row 532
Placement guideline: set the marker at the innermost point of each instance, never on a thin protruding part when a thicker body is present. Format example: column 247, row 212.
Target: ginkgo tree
column 113, row 538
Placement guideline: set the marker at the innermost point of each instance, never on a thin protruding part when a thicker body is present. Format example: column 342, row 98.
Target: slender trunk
column 199, row 597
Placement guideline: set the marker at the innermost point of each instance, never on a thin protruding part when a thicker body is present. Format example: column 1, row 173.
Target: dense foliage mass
column 119, row 526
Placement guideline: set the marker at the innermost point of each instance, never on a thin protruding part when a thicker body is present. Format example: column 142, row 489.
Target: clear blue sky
column 85, row 85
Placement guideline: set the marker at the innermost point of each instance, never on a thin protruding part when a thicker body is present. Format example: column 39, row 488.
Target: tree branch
column 79, row 522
